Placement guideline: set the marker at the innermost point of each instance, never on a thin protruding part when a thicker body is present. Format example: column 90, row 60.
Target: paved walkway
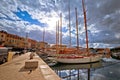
column 14, row 70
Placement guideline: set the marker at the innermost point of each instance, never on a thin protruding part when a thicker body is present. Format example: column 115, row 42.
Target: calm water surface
column 107, row 69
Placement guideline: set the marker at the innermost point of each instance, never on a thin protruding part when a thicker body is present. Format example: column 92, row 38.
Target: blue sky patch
column 64, row 29
column 24, row 15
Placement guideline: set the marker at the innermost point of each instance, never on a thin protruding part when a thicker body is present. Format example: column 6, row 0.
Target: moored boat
column 71, row 55
column 75, row 55
column 79, row 59
column 116, row 55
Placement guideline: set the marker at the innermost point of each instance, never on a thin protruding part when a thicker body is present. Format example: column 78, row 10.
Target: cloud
column 103, row 19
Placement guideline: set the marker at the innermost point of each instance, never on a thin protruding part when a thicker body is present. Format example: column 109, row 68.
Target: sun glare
column 52, row 23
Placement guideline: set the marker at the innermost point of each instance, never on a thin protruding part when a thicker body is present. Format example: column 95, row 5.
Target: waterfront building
column 2, row 37
column 32, row 43
column 42, row 45
column 15, row 41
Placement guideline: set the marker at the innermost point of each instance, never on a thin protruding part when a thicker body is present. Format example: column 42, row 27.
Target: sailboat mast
column 56, row 37
column 43, row 39
column 85, row 23
column 69, row 25
column 43, row 34
column 26, row 41
column 77, row 28
column 61, row 29
column 58, row 33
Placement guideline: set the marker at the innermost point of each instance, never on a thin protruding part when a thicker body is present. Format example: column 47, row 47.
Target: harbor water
column 106, row 69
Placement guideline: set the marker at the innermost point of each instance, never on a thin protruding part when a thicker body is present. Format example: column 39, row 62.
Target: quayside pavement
column 15, row 70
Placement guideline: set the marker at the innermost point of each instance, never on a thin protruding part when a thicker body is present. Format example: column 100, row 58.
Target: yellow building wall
column 11, row 40
column 3, row 37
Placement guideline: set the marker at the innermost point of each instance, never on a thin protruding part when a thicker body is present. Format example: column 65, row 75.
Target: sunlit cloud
column 103, row 19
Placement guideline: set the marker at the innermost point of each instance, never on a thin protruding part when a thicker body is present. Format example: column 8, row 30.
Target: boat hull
column 89, row 59
column 115, row 56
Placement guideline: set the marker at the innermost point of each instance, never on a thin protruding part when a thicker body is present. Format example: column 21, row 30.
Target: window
column 1, row 35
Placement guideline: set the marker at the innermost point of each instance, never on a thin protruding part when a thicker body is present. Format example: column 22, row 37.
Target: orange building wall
column 11, row 40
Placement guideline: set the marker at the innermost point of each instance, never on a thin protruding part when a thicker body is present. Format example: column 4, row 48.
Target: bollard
column 32, row 55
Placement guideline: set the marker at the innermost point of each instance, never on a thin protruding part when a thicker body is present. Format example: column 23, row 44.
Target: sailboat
column 77, row 55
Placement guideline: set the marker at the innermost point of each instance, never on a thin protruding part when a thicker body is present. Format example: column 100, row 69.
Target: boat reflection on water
column 75, row 71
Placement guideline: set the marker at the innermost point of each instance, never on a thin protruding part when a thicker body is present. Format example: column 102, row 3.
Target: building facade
column 3, row 35
column 42, row 45
column 15, row 41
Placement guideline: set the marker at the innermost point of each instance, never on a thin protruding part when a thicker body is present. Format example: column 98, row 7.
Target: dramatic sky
column 33, row 16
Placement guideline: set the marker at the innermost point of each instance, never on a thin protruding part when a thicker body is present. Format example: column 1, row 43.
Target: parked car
column 3, row 54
